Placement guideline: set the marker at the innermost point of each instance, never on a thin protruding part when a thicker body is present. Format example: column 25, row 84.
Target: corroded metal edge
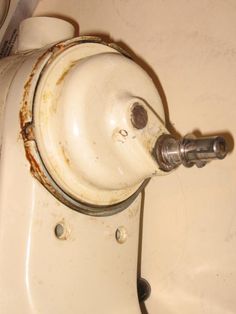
column 37, row 166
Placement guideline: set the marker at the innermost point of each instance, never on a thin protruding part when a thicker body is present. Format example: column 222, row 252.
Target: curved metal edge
column 157, row 153
column 40, row 172
column 38, row 168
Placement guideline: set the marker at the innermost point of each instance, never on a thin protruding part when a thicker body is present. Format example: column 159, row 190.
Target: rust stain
column 38, row 173
column 27, row 132
column 62, row 77
column 36, row 170
column 34, row 167
column 25, row 115
column 25, row 112
column 64, row 153
column 46, row 95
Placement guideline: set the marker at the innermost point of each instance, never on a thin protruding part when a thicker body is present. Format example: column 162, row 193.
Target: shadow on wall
column 67, row 19
column 139, row 60
column 107, row 38
column 224, row 133
column 139, row 266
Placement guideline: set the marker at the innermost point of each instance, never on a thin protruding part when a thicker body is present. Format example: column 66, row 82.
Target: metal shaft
column 189, row 151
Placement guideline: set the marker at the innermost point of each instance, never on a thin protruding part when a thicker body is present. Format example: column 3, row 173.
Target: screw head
column 139, row 116
column 61, row 231
column 121, row 235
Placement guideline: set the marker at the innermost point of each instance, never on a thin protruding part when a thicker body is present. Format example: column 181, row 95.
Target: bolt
column 121, row 235
column 139, row 116
column 61, row 231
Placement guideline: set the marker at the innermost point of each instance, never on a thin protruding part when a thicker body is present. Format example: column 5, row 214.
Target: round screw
column 61, row 231
column 121, row 235
column 139, row 116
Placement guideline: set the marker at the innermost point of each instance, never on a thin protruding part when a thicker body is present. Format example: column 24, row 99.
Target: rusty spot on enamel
column 61, row 79
column 27, row 132
column 64, row 153
column 26, row 112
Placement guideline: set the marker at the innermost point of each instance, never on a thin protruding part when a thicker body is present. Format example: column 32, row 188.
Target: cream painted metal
column 38, row 271
column 92, row 266
column 38, row 32
column 83, row 129
column 189, row 221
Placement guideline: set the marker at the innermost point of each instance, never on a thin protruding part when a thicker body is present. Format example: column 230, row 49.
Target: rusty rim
column 38, row 168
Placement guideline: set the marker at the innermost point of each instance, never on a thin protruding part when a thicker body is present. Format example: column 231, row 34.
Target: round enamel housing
column 96, row 118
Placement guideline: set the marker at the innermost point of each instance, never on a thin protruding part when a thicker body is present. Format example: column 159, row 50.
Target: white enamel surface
column 38, row 272
column 82, row 117
column 62, row 273
column 8, row 68
column 38, row 32
column 17, row 201
column 189, row 219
